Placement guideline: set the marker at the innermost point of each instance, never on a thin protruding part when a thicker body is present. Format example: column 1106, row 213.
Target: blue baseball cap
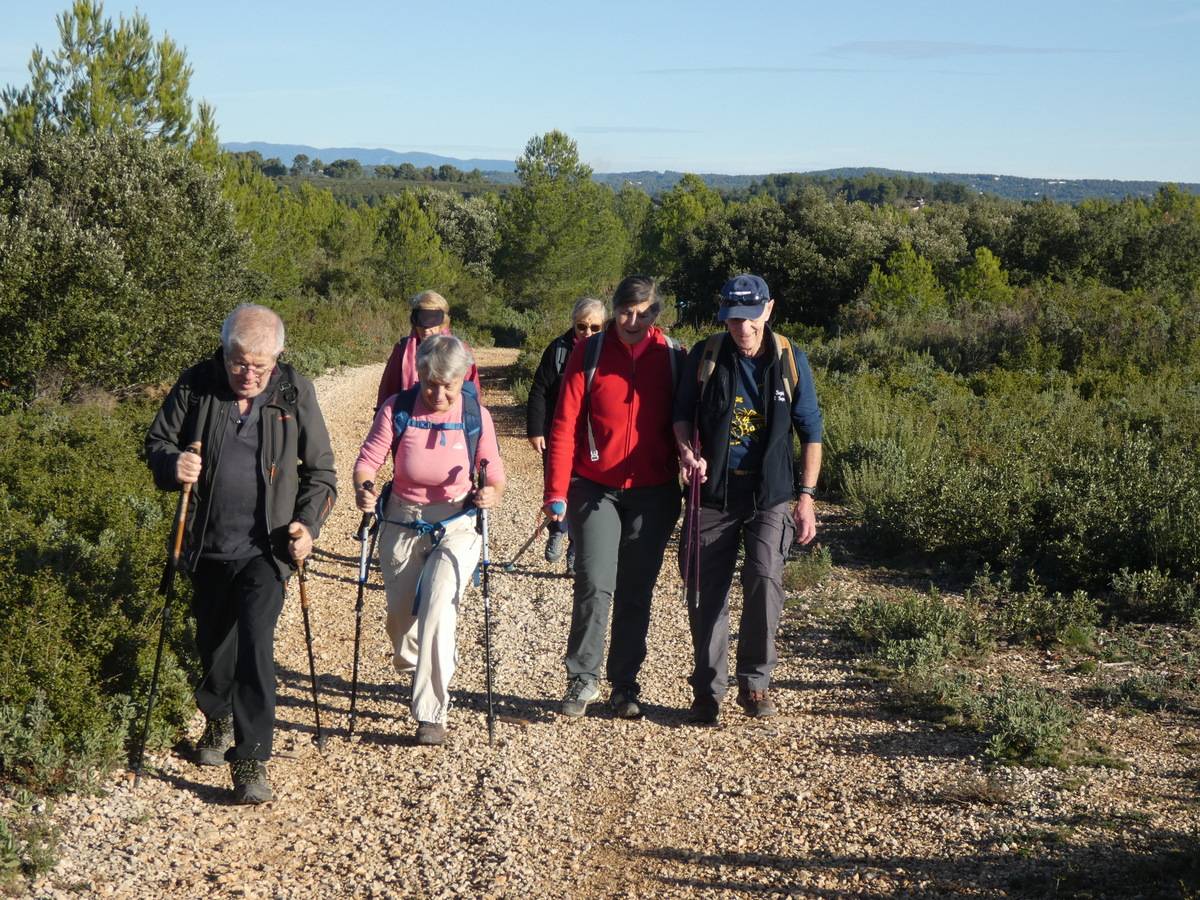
column 743, row 297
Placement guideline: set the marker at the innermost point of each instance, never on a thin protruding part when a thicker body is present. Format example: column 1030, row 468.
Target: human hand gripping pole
column 485, row 565
column 365, row 530
column 167, row 588
column 302, row 574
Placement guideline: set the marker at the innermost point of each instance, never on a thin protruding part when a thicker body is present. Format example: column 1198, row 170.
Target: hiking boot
column 580, row 692
column 554, row 546
column 431, row 734
column 624, row 703
column 217, row 738
column 570, row 560
column 704, row 711
column 756, row 704
column 250, row 783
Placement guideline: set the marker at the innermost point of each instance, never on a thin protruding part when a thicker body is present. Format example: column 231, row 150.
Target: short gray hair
column 253, row 328
column 587, row 304
column 443, row 357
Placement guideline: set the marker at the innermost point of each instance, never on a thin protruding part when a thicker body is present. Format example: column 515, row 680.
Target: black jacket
column 295, row 456
column 713, row 413
column 543, row 393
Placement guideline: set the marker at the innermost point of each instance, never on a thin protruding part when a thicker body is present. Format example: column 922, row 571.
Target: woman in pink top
column 429, row 431
column 430, row 315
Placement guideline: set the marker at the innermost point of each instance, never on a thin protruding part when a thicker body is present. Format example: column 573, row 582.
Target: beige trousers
column 423, row 642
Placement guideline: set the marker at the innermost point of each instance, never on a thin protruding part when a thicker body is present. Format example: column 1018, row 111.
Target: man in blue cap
column 741, row 395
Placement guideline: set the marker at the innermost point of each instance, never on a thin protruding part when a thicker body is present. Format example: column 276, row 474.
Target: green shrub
column 916, row 631
column 1033, row 615
column 1155, row 595
column 807, row 568
column 82, row 545
column 1028, row 724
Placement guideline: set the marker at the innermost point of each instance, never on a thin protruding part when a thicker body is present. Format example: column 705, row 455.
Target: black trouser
column 768, row 534
column 236, row 604
column 620, row 536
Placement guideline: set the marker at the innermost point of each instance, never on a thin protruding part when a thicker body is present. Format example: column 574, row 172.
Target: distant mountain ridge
column 1011, row 187
column 368, row 157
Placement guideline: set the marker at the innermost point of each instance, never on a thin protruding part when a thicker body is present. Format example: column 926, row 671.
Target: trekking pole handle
column 302, row 574
column 181, row 513
column 365, row 524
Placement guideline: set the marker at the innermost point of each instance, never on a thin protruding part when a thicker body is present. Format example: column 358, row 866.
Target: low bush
column 83, row 534
column 1034, row 615
column 807, row 568
column 1027, row 723
column 1154, row 595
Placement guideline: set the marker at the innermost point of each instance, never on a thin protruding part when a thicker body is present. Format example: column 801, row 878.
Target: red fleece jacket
column 631, row 398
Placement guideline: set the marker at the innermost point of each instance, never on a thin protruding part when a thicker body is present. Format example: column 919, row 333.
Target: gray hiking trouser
column 768, row 534
column 620, row 537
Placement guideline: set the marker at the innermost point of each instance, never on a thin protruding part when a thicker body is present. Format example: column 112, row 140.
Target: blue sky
column 1099, row 89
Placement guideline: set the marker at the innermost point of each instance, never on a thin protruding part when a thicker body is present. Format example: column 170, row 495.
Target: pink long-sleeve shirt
column 425, row 470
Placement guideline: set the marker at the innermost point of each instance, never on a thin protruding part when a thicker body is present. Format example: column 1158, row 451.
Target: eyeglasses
column 585, row 328
column 243, row 368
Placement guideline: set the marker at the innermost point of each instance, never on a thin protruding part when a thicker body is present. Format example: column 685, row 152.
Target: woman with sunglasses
column 430, row 315
column 587, row 318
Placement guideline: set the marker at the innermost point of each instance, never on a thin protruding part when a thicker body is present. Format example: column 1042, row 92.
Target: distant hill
column 376, row 157
column 1009, row 187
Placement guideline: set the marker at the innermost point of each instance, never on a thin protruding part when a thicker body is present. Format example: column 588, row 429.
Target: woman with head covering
column 430, row 315
column 587, row 318
column 439, row 437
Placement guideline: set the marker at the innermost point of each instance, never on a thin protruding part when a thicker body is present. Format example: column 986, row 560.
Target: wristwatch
column 811, row 491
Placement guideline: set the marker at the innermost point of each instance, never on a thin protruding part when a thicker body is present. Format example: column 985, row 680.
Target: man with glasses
column 246, row 431
column 742, row 394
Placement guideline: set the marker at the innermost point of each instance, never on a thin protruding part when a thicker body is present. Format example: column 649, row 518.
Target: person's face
column 439, row 396
column 443, row 328
column 634, row 321
column 747, row 334
column 587, row 324
column 249, row 371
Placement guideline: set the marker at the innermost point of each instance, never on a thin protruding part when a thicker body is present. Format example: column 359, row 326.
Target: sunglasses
column 584, row 328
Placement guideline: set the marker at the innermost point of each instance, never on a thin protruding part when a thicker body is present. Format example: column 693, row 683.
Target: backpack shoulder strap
column 678, row 356
column 708, row 359
column 561, row 352
column 472, row 421
column 402, row 413
column 591, row 361
column 787, row 365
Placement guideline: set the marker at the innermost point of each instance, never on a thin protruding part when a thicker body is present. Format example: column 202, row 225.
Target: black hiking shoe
column 217, row 738
column 624, row 703
column 570, row 560
column 554, row 546
column 704, row 711
column 431, row 734
column 580, row 692
column 250, row 783
column 756, row 704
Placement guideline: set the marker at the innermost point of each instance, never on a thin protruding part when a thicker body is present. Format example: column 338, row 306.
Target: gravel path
column 835, row 796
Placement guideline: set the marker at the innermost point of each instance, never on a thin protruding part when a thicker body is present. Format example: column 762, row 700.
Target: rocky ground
column 836, row 796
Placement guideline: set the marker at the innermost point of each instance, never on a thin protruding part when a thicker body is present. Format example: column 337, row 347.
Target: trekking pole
column 364, row 567
column 167, row 588
column 691, row 537
column 485, row 566
column 312, row 665
column 510, row 566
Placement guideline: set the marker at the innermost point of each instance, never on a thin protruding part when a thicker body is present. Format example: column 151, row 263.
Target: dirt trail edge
column 835, row 796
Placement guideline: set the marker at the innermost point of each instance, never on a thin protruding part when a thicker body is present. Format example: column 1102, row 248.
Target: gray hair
column 586, row 305
column 253, row 328
column 443, row 357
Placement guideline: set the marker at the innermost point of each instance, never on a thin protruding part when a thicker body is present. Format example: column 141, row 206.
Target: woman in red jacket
column 613, row 470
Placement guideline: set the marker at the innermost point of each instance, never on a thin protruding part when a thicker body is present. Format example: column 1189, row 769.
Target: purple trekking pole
column 691, row 537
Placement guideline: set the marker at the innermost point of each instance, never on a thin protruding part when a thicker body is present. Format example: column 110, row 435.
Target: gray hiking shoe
column 624, row 703
column 217, row 738
column 756, row 704
column 554, row 546
column 431, row 734
column 250, row 783
column 580, row 692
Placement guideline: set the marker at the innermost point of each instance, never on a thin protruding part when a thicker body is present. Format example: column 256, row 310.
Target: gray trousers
column 620, row 537
column 768, row 534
